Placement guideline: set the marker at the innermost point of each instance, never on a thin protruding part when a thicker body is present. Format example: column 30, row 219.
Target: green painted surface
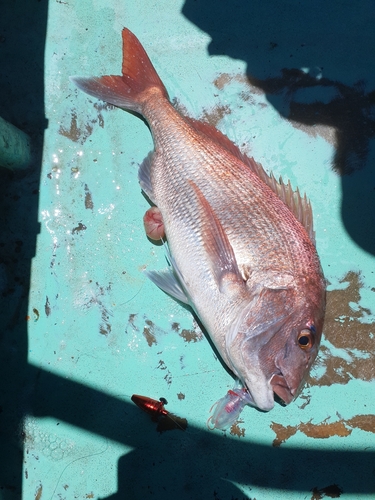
column 15, row 147
column 83, row 327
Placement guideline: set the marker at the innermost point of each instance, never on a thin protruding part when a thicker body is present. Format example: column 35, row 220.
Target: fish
column 240, row 244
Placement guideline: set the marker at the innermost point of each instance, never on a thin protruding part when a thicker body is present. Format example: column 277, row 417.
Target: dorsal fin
column 299, row 206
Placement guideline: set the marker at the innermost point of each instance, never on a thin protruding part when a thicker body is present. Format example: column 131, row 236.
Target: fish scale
column 240, row 244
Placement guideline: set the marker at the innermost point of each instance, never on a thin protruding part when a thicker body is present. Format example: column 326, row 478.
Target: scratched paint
column 99, row 331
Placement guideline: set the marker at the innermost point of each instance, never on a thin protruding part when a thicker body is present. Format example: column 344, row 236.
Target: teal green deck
column 84, row 329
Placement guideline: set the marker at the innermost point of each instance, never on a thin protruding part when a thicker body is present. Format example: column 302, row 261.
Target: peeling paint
column 194, row 335
column 89, row 205
column 38, row 493
column 90, row 294
column 214, row 115
column 236, row 430
column 189, row 335
column 324, row 430
column 131, row 323
column 47, row 307
column 149, row 333
column 36, row 313
column 168, row 375
column 76, row 132
column 350, row 348
column 79, row 228
column 80, row 132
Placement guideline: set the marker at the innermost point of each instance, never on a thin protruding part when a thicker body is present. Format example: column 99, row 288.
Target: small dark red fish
column 153, row 223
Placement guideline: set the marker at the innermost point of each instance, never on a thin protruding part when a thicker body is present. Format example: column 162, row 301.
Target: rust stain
column 79, row 228
column 149, row 333
column 175, row 327
column 74, row 132
column 324, row 430
column 332, row 491
column 36, row 312
column 282, row 433
column 89, row 205
column 92, row 293
column 307, row 399
column 100, row 106
column 211, row 116
column 345, row 330
column 77, row 132
column 38, row 493
column 225, row 79
column 131, row 323
column 363, row 422
column 236, row 430
column 328, row 133
column 47, row 307
column 181, row 108
column 216, row 114
column 90, row 495
column 168, row 375
column 189, row 335
column 105, row 327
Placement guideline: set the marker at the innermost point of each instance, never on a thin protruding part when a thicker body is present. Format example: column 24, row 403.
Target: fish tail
column 138, row 81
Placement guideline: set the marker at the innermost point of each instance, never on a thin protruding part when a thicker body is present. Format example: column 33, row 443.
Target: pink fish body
column 241, row 244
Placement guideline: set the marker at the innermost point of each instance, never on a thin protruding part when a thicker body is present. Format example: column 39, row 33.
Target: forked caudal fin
column 138, row 78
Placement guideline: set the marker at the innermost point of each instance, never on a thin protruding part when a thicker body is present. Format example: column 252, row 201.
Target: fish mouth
column 281, row 388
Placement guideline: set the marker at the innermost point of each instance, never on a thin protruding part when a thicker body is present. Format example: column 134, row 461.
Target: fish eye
column 305, row 339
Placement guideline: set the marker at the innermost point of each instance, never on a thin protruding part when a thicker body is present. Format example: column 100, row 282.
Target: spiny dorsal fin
column 299, row 206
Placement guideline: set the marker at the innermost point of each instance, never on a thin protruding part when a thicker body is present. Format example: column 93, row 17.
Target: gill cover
column 258, row 323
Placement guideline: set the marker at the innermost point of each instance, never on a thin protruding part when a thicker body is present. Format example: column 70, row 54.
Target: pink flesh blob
column 153, row 223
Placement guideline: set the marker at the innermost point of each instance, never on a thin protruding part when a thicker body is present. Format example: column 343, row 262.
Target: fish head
column 277, row 341
column 289, row 355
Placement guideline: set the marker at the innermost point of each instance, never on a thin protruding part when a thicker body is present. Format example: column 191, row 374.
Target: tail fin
column 138, row 76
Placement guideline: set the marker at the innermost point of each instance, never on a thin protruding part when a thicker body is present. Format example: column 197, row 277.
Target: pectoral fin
column 144, row 175
column 168, row 282
column 217, row 245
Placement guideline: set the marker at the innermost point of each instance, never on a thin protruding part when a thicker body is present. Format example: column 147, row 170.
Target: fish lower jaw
column 262, row 399
column 281, row 388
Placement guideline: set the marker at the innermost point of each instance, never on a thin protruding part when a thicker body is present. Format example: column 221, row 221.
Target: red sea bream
column 240, row 244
